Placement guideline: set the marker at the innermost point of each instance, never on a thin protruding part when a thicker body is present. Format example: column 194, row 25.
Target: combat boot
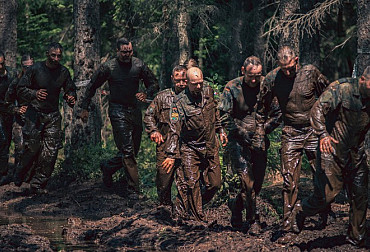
column 236, row 214
column 107, row 176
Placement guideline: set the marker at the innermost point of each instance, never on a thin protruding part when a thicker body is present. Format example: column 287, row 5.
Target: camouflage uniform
column 193, row 135
column 157, row 119
column 296, row 97
column 42, row 130
column 6, row 120
column 347, row 164
column 237, row 108
column 124, row 112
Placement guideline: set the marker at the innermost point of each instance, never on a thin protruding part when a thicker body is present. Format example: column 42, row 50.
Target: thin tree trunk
column 363, row 35
column 86, row 58
column 289, row 36
column 8, row 30
column 309, row 46
column 163, row 79
column 258, row 41
column 182, row 30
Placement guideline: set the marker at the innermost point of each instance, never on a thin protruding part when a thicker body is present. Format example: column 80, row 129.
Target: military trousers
column 294, row 142
column 5, row 138
column 348, row 168
column 196, row 171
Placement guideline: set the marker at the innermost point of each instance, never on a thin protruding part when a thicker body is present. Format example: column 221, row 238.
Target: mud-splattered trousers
column 237, row 109
column 296, row 97
column 6, row 120
column 194, row 123
column 157, row 119
column 346, row 166
column 124, row 112
column 42, row 129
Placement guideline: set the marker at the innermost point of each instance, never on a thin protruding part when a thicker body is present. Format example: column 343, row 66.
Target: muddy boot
column 107, row 176
column 236, row 214
column 326, row 218
column 298, row 222
column 6, row 180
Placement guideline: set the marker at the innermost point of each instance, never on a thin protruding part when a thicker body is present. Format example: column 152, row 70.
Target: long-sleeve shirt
column 123, row 80
column 342, row 102
column 5, row 82
column 296, row 96
column 39, row 76
column 194, row 123
column 238, row 109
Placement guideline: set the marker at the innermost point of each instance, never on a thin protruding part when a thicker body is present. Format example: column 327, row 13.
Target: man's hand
column 325, row 144
column 223, row 138
column 156, row 137
column 84, row 115
column 70, row 100
column 258, row 142
column 168, row 164
column 141, row 97
column 22, row 110
column 41, row 94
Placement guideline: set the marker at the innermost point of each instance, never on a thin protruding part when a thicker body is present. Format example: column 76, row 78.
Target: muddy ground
column 94, row 218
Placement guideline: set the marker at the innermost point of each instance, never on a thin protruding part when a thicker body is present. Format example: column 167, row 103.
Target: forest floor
column 89, row 217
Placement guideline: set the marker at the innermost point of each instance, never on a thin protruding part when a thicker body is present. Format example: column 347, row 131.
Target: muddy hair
column 54, row 45
column 178, row 68
column 285, row 54
column 366, row 73
column 252, row 60
column 122, row 41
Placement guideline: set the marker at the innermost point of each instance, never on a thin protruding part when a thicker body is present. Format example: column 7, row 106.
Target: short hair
column 178, row 68
column 2, row 54
column 54, row 45
column 285, row 54
column 366, row 73
column 25, row 57
column 252, row 60
column 190, row 63
column 122, row 41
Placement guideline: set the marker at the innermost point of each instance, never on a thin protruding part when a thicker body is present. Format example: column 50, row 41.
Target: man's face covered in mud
column 364, row 83
column 252, row 74
column 289, row 67
column 179, row 80
column 54, row 55
column 195, row 81
column 125, row 52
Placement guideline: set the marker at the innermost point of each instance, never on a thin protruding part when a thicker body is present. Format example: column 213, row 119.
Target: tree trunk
column 163, row 79
column 289, row 36
column 182, row 30
column 258, row 41
column 236, row 47
column 363, row 36
column 86, row 58
column 309, row 46
column 8, row 31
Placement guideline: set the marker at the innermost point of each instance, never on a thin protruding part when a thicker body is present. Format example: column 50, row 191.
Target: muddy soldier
column 6, row 118
column 157, row 125
column 296, row 88
column 123, row 74
column 18, row 107
column 194, row 123
column 40, row 87
column 237, row 109
column 342, row 149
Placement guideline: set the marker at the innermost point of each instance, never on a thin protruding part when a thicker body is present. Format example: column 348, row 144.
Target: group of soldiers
column 328, row 122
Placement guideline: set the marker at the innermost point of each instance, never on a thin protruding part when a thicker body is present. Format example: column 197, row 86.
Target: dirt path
column 96, row 219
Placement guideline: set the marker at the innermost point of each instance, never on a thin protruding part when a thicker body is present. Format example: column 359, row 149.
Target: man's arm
column 69, row 88
column 151, row 119
column 226, row 108
column 24, row 91
column 274, row 117
column 150, row 81
column 321, row 83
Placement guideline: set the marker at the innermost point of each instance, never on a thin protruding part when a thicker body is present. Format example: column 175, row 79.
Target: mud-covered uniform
column 157, row 119
column 124, row 112
column 347, row 166
column 194, row 124
column 6, row 120
column 237, row 109
column 42, row 129
column 296, row 97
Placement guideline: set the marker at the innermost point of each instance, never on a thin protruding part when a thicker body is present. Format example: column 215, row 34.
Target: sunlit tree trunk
column 8, row 30
column 363, row 35
column 163, row 79
column 289, row 36
column 86, row 60
column 183, row 21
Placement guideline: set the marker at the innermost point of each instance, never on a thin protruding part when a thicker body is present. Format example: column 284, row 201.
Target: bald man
column 194, row 123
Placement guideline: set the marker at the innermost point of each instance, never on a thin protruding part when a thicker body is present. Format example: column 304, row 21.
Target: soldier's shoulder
column 137, row 62
column 164, row 92
column 271, row 76
column 234, row 82
column 309, row 67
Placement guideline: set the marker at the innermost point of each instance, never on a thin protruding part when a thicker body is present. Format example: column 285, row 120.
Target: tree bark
column 86, row 58
column 309, row 46
column 8, row 31
column 182, row 30
column 363, row 35
column 258, row 41
column 163, row 79
column 289, row 36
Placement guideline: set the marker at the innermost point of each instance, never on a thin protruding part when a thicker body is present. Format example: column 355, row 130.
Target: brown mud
column 89, row 217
